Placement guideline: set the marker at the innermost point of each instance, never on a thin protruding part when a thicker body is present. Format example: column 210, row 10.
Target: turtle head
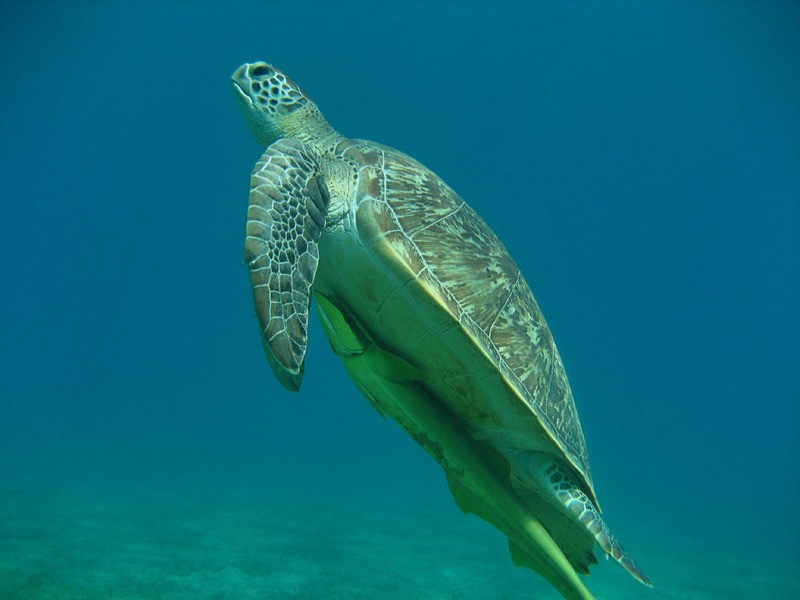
column 275, row 107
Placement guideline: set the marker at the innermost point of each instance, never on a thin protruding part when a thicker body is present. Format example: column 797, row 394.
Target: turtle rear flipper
column 538, row 478
column 286, row 214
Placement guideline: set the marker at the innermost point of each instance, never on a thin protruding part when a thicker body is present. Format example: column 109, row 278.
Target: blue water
column 641, row 161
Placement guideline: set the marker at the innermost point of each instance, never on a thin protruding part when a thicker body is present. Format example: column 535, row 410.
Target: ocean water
column 640, row 160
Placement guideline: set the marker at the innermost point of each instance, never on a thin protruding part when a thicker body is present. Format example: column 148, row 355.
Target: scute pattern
column 419, row 196
column 474, row 276
column 518, row 323
column 482, row 284
column 285, row 216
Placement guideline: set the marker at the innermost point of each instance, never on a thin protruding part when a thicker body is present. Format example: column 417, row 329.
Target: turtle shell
column 414, row 221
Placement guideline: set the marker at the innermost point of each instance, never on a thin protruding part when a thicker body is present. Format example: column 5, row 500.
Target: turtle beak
column 240, row 81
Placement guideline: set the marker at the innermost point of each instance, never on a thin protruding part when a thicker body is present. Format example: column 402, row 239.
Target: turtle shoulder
column 437, row 238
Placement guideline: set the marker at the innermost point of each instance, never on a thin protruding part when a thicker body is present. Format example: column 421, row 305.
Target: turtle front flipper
column 285, row 217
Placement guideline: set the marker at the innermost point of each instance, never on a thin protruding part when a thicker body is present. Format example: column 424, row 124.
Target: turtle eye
column 259, row 71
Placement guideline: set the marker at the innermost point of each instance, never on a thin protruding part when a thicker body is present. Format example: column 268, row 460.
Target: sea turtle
column 431, row 317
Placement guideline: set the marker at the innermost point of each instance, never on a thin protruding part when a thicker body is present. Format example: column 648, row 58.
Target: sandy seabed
column 116, row 541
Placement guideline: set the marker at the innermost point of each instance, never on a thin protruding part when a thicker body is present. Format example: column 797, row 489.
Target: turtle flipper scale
column 285, row 217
